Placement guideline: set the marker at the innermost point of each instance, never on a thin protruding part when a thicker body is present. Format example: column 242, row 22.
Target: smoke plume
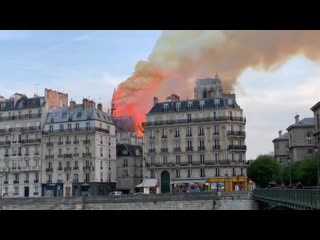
column 180, row 57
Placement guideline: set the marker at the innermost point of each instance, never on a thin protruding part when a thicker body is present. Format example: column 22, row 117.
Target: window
column 36, row 189
column 16, row 177
column 68, row 176
column 202, row 172
column 75, row 177
column 79, row 114
column 216, row 103
column 189, row 143
column 216, row 130
column 152, row 174
column 189, row 117
column 36, row 176
column 165, row 107
column 27, row 176
column 101, row 152
column 87, row 150
column 27, row 151
column 189, row 173
column 60, row 165
column 178, row 105
column 125, row 162
column 69, row 127
column 217, row 172
column 177, row 144
column 87, row 125
column 30, row 114
column 214, row 115
column 177, row 159
column 77, row 126
column 87, row 179
column 164, row 160
column 125, row 173
column 16, row 190
column 164, row 132
column 177, row 173
column 189, row 159
column 49, row 165
column 152, row 160
column 201, row 104
column 101, row 165
column 233, row 172
column 61, row 127
column 241, row 169
column 50, row 128
column 202, row 159
column 230, row 115
column 64, row 114
column 189, row 132
column 101, row 139
column 76, row 164
column 189, row 105
column 6, row 190
column 201, row 131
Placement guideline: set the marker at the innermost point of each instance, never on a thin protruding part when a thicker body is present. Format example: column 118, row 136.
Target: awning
column 148, row 182
column 189, row 181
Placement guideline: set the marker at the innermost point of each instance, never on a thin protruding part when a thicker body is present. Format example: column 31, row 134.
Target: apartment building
column 281, row 148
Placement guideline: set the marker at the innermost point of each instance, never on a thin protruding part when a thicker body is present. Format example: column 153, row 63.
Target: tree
column 264, row 170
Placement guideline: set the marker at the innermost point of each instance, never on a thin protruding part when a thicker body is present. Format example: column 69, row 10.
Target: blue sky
column 92, row 63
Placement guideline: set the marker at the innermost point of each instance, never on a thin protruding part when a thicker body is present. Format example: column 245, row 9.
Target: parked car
column 116, row 193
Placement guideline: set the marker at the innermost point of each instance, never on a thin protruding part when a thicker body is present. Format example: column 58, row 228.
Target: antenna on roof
column 36, row 88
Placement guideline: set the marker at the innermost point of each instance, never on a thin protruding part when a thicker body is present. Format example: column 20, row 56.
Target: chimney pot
column 297, row 119
column 99, row 106
column 280, row 133
column 155, row 100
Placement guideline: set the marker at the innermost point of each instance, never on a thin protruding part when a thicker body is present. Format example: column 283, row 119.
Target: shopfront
column 187, row 185
column 228, row 184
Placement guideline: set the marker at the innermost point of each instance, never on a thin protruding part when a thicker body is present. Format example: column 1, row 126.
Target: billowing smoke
column 180, row 57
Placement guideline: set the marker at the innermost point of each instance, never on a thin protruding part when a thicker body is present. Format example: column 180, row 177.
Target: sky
column 92, row 63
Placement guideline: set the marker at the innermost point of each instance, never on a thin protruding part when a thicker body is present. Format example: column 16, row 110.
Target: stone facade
column 189, row 141
column 316, row 112
column 281, row 148
column 20, row 145
column 79, row 151
column 301, row 140
column 129, row 167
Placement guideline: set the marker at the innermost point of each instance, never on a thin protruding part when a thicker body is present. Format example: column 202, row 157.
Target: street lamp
column 1, row 185
column 316, row 150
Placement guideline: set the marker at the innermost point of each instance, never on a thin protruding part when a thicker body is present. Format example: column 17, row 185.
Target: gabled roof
column 283, row 137
column 306, row 122
column 22, row 103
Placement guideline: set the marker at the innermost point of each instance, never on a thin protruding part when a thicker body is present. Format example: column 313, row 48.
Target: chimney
column 297, row 118
column 2, row 99
column 85, row 103
column 99, row 107
column 72, row 104
column 280, row 133
column 155, row 100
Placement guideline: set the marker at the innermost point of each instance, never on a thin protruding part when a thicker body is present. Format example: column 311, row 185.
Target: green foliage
column 305, row 171
column 264, row 170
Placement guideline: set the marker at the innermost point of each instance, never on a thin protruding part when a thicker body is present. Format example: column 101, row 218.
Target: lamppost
column 316, row 150
column 289, row 165
column 1, row 186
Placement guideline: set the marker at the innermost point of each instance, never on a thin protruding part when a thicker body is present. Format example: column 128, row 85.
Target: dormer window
column 178, row 105
column 230, row 102
column 201, row 104
column 165, row 107
column 216, row 103
column 189, row 105
column 64, row 115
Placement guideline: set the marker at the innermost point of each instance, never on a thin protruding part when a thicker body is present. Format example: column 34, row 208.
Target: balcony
column 6, row 155
column 164, row 136
column 16, row 182
column 60, row 156
column 31, row 141
column 216, row 133
column 26, row 181
column 164, row 149
column 69, row 155
column 216, row 147
column 68, row 142
column 59, row 168
column 76, row 154
column 36, row 154
column 26, row 116
column 86, row 141
column 5, row 143
column 49, row 169
column 176, row 135
column 67, row 169
column 195, row 120
column 189, row 149
column 60, row 143
column 75, row 142
column 236, row 133
column 92, row 129
column 201, row 148
column 178, row 149
column 49, row 156
column 88, row 168
column 5, row 182
column 152, row 150
column 152, row 137
column 75, row 168
column 49, row 144
column 238, row 147
column 86, row 155
column 36, row 181
column 189, row 135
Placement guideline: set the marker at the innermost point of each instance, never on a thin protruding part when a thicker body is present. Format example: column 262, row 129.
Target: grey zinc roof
column 22, row 103
column 209, row 104
column 65, row 114
column 305, row 121
column 283, row 137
